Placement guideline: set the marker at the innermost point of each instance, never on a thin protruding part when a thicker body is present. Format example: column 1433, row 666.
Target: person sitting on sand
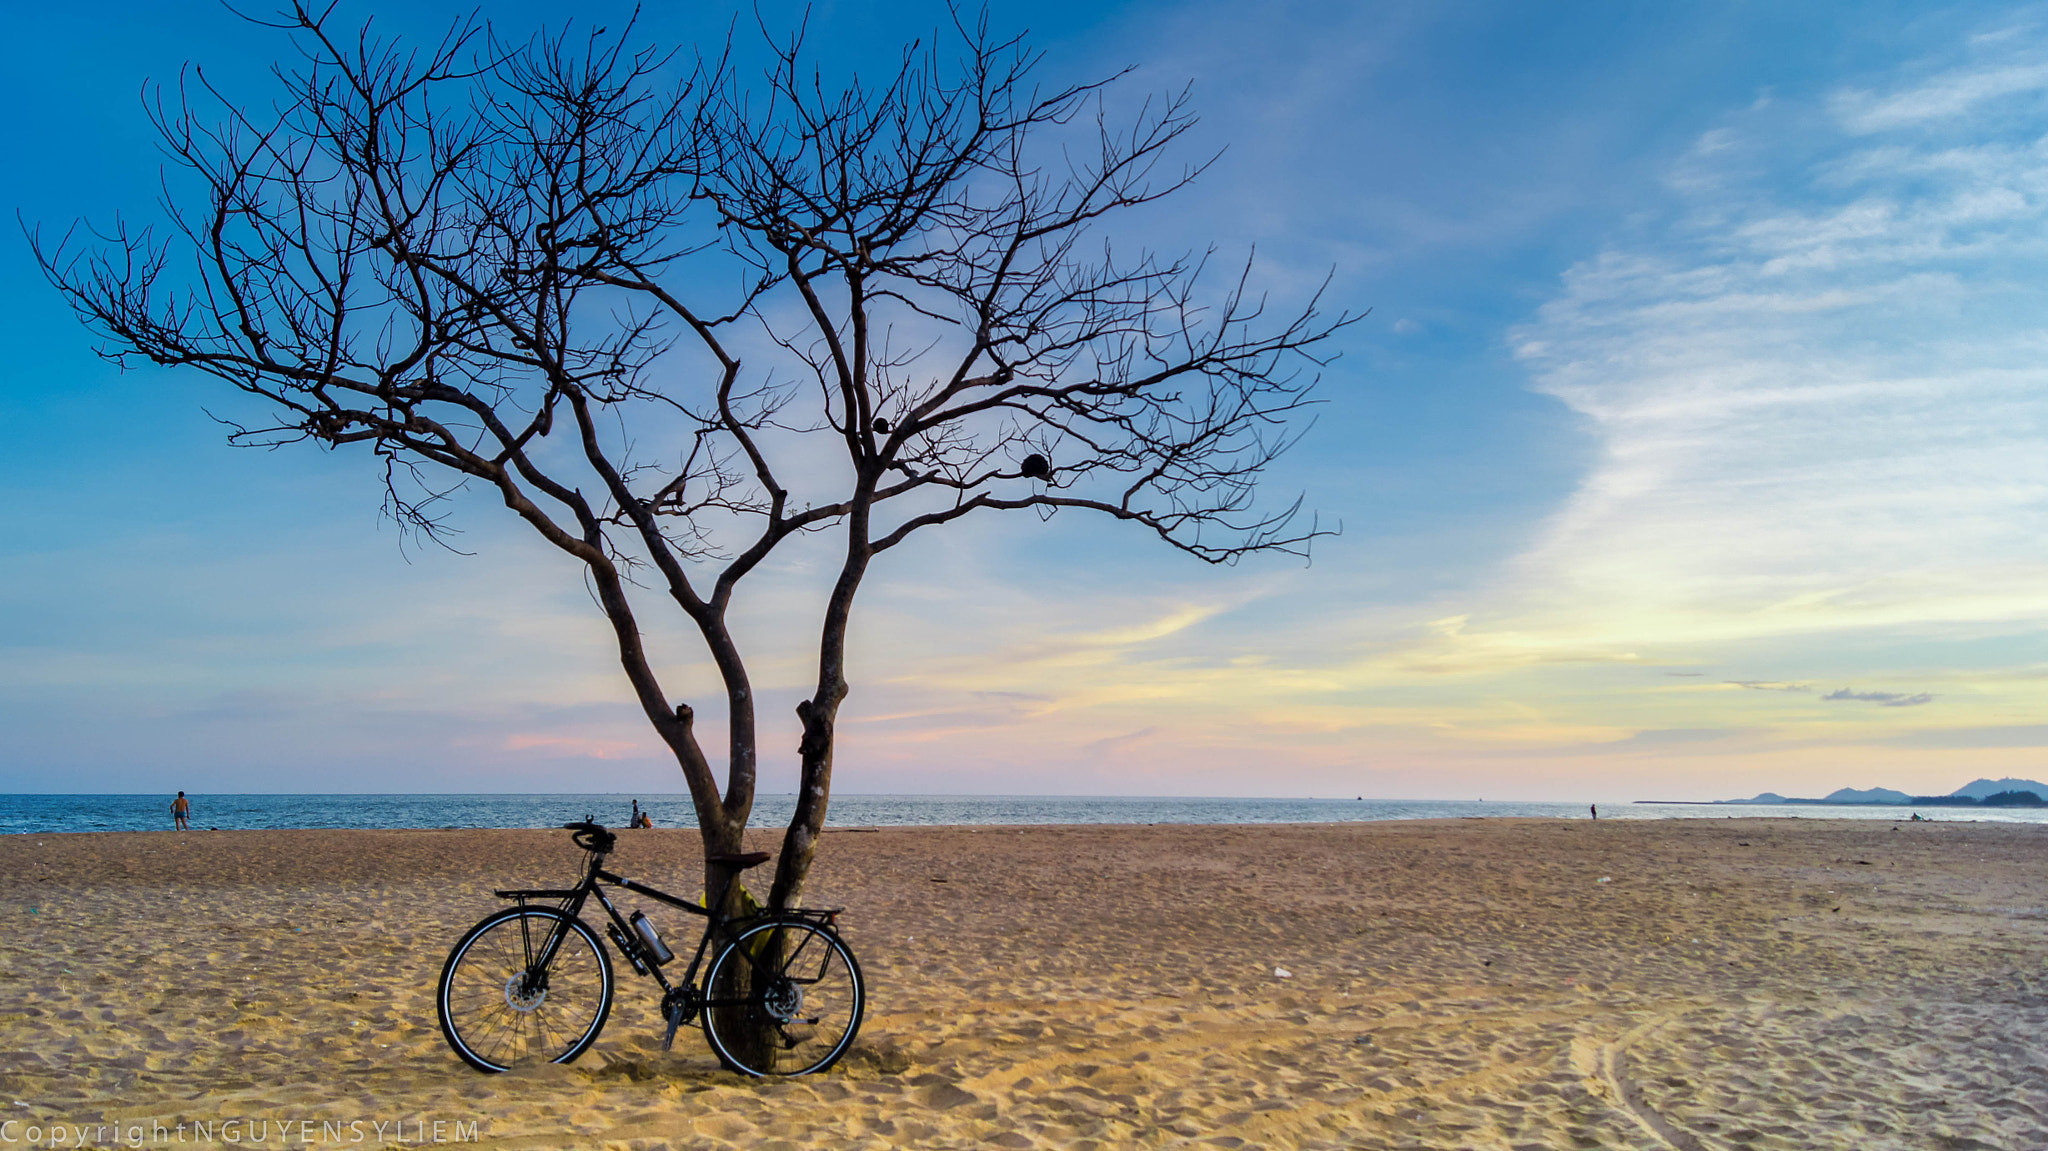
column 181, row 810
column 640, row 818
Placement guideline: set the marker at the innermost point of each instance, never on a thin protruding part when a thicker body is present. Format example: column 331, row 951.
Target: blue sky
column 1694, row 447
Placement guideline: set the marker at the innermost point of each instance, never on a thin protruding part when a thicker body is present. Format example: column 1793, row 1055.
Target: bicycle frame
column 572, row 902
column 621, row 931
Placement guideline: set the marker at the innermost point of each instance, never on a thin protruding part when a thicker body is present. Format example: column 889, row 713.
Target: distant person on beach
column 181, row 811
column 640, row 818
column 1596, row 809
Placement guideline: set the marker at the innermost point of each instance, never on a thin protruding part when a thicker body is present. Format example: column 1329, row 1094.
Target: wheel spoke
column 496, row 1018
column 780, row 1003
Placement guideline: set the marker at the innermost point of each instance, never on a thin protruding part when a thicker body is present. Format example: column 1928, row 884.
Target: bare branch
column 531, row 267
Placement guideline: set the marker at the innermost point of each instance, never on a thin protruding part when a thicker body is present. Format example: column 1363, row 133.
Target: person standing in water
column 181, row 810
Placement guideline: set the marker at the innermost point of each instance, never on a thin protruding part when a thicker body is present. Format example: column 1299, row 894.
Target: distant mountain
column 2019, row 797
column 1963, row 796
column 1868, row 795
column 1985, row 788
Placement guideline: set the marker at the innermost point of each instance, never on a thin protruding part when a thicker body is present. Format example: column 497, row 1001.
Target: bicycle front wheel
column 501, row 1008
column 784, row 998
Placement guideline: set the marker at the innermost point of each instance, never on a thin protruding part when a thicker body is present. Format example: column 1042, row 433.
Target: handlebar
column 591, row 836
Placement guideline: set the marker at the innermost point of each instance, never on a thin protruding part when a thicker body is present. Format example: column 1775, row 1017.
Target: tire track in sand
column 1607, row 1064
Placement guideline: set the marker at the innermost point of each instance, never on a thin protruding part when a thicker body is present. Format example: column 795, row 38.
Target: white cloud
column 1821, row 405
column 1944, row 97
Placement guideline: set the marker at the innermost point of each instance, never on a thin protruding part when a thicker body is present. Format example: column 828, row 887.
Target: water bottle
column 657, row 951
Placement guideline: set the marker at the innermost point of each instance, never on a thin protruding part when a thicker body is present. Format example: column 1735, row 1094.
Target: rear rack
column 522, row 895
column 828, row 916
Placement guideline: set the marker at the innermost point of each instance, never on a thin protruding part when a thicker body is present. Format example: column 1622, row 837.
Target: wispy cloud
column 1882, row 698
column 1117, row 743
column 1821, row 404
column 1653, row 741
column 2032, row 735
column 579, row 747
column 1944, row 97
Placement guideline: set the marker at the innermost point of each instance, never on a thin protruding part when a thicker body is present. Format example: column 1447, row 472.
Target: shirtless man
column 180, row 809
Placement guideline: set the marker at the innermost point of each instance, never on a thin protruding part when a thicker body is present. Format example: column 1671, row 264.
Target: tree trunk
column 807, row 822
column 820, row 713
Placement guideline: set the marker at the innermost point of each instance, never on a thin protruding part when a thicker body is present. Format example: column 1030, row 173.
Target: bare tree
column 635, row 307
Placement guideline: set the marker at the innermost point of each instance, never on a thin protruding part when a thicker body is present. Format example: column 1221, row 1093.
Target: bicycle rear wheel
column 499, row 1012
column 784, row 998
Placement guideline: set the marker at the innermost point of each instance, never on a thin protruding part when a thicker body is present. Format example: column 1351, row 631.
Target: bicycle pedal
column 675, row 1023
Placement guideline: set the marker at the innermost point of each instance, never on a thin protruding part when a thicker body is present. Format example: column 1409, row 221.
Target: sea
column 44, row 814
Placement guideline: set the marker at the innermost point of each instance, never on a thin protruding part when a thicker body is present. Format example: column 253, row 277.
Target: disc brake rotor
column 521, row 999
column 783, row 1001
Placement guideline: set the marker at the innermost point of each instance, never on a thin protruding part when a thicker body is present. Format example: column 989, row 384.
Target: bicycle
column 782, row 995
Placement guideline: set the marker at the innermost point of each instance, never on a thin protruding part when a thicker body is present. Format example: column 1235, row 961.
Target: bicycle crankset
column 679, row 1006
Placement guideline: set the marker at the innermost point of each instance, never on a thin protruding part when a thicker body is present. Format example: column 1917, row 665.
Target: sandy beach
column 1497, row 984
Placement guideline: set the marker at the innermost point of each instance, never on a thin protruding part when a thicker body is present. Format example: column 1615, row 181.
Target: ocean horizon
column 57, row 813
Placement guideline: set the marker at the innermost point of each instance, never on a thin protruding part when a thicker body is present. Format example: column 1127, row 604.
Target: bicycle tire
column 783, row 998
column 493, row 1021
